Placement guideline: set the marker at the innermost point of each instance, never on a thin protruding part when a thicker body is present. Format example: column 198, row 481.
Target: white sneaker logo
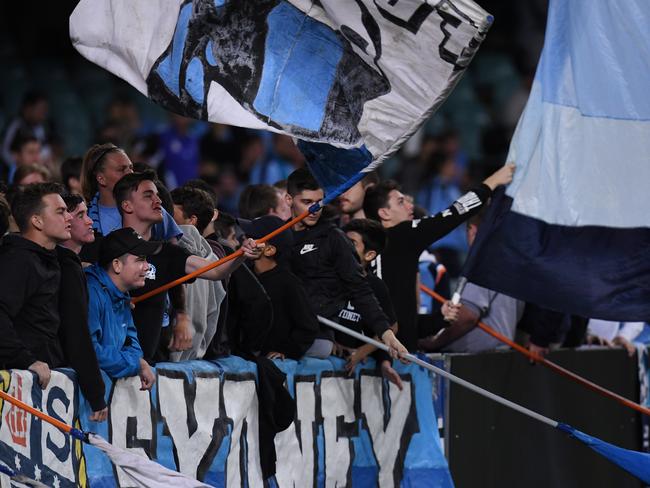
column 307, row 248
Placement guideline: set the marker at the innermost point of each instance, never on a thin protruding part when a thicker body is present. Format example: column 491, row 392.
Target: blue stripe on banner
column 596, row 57
column 591, row 271
column 300, row 64
column 169, row 68
column 194, row 80
column 334, row 168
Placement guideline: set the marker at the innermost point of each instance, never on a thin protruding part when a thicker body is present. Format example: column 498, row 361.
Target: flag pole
column 635, row 463
column 238, row 253
column 549, row 364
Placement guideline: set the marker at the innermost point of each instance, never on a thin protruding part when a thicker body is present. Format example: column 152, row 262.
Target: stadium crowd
column 83, row 238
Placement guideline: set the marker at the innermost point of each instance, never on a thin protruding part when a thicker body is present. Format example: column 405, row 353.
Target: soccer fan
column 499, row 311
column 324, row 259
column 294, row 326
column 136, row 196
column 122, row 267
column 351, row 202
column 29, row 312
column 259, row 200
column 397, row 265
column 74, row 333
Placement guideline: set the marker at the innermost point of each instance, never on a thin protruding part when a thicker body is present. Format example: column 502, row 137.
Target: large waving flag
column 352, row 79
column 572, row 232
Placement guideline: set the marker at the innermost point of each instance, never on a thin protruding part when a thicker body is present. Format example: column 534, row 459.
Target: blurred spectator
column 614, row 334
column 294, row 326
column 122, row 267
column 180, row 149
column 222, row 144
column 225, row 229
column 71, row 175
column 351, row 202
column 259, row 200
column 32, row 121
column 543, row 330
column 499, row 311
column 285, row 159
column 192, row 206
column 25, row 150
column 27, row 174
column 29, row 317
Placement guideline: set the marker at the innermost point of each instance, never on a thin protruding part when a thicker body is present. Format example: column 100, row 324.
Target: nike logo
column 308, row 248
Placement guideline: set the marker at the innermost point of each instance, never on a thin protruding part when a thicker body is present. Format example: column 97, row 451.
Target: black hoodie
column 327, row 264
column 74, row 334
column 29, row 312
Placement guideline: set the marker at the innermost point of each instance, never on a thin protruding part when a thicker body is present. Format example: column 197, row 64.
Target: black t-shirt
column 166, row 266
column 352, row 319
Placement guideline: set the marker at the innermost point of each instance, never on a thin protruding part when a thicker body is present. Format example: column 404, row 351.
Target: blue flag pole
column 634, row 462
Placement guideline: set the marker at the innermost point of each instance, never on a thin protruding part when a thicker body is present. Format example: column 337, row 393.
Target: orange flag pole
column 224, row 260
column 549, row 364
column 68, row 429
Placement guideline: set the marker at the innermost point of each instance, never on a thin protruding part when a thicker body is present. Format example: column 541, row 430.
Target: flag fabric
column 142, row 471
column 572, row 231
column 352, row 80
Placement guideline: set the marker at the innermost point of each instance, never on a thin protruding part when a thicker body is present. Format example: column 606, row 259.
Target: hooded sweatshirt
column 29, row 312
column 112, row 331
column 203, row 298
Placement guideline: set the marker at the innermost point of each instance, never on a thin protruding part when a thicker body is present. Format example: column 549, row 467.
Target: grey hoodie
column 203, row 298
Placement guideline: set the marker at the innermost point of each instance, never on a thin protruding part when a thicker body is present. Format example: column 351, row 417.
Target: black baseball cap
column 264, row 225
column 125, row 241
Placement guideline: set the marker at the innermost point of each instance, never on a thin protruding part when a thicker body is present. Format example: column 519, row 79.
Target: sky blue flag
column 352, row 80
column 572, row 232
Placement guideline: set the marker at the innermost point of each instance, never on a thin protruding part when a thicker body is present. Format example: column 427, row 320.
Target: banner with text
column 202, row 420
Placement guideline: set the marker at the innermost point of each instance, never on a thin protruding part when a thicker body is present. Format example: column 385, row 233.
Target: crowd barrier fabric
column 201, row 418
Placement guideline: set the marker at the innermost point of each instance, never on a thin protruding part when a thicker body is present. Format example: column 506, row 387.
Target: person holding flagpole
column 397, row 265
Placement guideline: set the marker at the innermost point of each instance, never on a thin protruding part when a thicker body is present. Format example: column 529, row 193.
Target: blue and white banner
column 358, row 75
column 572, row 232
column 202, row 419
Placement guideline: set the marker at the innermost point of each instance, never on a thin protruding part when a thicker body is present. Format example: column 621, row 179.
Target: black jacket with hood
column 29, row 312
column 325, row 261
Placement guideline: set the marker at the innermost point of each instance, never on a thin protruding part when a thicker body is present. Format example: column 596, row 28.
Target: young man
column 351, row 202
column 324, row 259
column 259, row 200
column 25, row 150
column 369, row 239
column 193, row 212
column 73, row 308
column 29, row 316
column 137, row 199
column 294, row 325
column 499, row 311
column 122, row 267
column 407, row 238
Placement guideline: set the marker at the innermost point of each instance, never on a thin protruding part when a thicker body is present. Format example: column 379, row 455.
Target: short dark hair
column 129, row 183
column 256, row 201
column 31, row 98
column 205, row 186
column 197, row 202
column 301, row 180
column 28, row 201
column 72, row 201
column 377, row 197
column 70, row 168
column 371, row 179
column 372, row 233
column 223, row 224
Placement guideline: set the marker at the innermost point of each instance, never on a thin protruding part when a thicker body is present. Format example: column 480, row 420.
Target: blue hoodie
column 112, row 330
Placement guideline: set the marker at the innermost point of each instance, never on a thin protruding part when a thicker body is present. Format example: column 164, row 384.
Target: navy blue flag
column 572, row 232
column 352, row 80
